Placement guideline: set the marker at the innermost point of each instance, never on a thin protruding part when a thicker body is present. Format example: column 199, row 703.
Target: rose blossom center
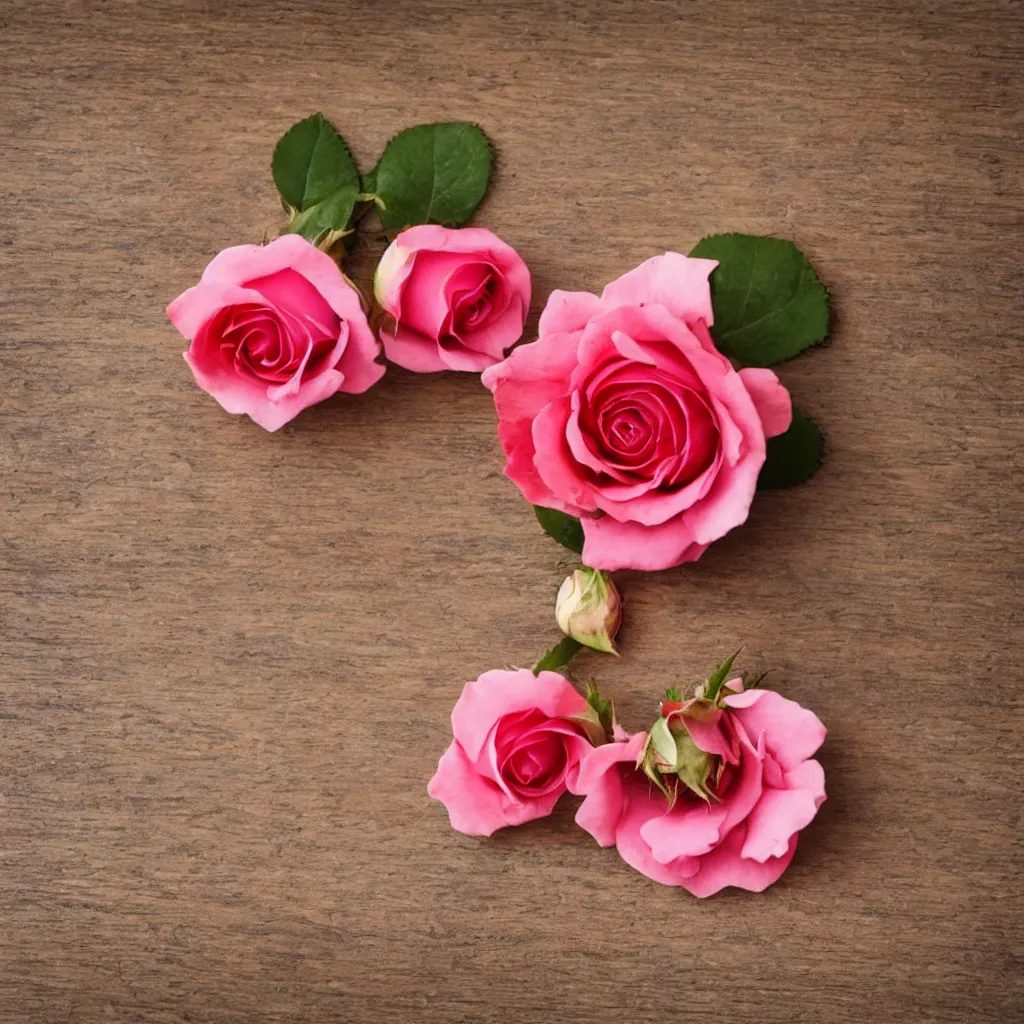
column 532, row 757
column 641, row 422
column 266, row 344
column 473, row 307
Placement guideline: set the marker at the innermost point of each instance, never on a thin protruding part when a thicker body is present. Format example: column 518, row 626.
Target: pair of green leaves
column 430, row 174
column 769, row 306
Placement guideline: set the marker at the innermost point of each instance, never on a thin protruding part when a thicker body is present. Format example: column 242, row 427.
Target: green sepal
column 752, row 680
column 558, row 656
column 566, row 529
column 692, row 765
column 768, row 302
column 652, row 762
column 599, row 717
column 794, row 456
column 604, row 709
column 714, row 681
column 673, row 693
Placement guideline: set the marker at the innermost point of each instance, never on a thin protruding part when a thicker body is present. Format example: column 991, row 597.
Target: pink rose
column 518, row 742
column 459, row 298
column 624, row 414
column 768, row 790
column 274, row 329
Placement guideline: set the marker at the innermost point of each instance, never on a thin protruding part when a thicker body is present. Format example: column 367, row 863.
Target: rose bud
column 588, row 609
column 456, row 298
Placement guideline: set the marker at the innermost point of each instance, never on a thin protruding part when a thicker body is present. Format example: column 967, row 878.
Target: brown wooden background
column 229, row 657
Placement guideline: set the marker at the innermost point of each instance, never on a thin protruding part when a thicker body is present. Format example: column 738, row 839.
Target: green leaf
column 432, row 174
column 673, row 694
column 317, row 178
column 794, row 456
column 718, row 677
column 558, row 656
column 769, row 304
column 564, row 528
column 368, row 182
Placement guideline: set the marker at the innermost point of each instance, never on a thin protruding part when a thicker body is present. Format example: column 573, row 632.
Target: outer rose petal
column 532, row 376
column 792, row 733
column 498, row 693
column 727, row 504
column 196, row 305
column 725, row 866
column 390, row 277
column 238, row 395
column 599, row 780
column 770, row 398
column 642, row 806
column 251, row 262
column 782, row 813
column 609, row 544
column 474, row 803
column 416, row 352
column 680, row 283
column 567, row 312
column 358, row 365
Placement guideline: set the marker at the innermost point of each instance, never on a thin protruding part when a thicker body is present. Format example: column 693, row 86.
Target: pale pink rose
column 746, row 835
column 275, row 329
column 624, row 414
column 519, row 738
column 458, row 298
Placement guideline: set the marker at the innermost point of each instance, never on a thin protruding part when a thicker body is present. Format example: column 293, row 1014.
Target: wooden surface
column 229, row 657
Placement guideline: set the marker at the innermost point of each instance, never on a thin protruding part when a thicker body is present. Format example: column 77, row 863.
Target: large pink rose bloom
column 518, row 742
column 275, row 329
column 457, row 298
column 624, row 414
column 769, row 790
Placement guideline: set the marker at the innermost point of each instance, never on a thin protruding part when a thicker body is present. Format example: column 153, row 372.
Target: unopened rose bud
column 588, row 609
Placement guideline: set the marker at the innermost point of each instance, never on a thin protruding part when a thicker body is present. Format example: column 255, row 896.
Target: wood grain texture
column 228, row 657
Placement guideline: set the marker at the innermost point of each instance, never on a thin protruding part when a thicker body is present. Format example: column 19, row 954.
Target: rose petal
column 680, row 283
column 726, row 866
column 289, row 290
column 643, row 806
column 782, row 813
column 567, row 312
column 553, row 458
column 405, row 347
column 497, row 693
column 475, row 804
column 251, row 262
column 609, row 544
column 792, row 733
column 599, row 780
column 770, row 398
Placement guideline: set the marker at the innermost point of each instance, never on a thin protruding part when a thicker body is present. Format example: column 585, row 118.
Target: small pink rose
column 274, row 329
column 746, row 835
column 624, row 414
column 518, row 743
column 459, row 298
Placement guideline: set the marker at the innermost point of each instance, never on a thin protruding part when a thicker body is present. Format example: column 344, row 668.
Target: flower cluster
column 714, row 794
column 277, row 328
column 639, row 423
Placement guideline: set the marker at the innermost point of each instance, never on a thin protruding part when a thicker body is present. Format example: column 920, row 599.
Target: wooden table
column 229, row 656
